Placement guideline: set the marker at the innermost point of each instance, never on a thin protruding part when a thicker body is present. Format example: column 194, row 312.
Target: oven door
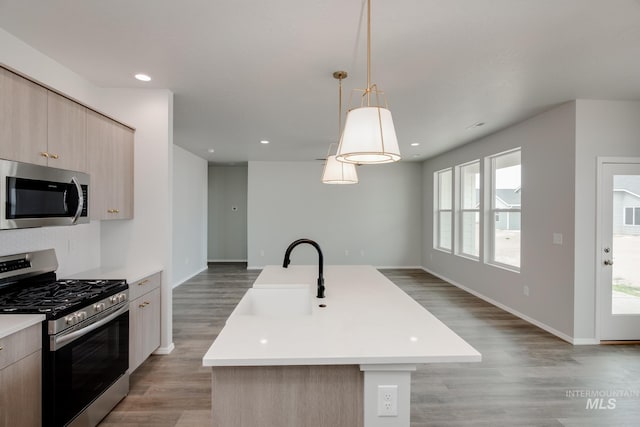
column 82, row 364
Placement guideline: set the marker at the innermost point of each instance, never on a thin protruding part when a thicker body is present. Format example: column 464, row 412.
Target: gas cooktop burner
column 59, row 297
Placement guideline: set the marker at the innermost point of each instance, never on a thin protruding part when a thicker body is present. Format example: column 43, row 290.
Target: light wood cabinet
column 110, row 161
column 21, row 378
column 144, row 319
column 66, row 133
column 23, row 119
column 40, row 126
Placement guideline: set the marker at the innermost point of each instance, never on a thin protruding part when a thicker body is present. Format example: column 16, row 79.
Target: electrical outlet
column 387, row 400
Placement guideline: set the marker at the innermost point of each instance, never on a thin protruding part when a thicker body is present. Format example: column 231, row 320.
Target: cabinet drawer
column 16, row 346
column 141, row 287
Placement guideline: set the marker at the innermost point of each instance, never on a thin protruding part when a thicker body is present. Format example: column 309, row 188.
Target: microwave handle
column 80, row 200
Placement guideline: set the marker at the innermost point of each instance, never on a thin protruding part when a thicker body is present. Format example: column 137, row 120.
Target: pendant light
column 369, row 136
column 336, row 172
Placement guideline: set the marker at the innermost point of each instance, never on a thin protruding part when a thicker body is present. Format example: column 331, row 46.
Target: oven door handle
column 59, row 342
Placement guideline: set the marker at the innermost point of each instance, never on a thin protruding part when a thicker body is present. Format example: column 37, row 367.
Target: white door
column 619, row 258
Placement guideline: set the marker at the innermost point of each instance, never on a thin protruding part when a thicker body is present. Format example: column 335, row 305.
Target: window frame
column 492, row 211
column 635, row 216
column 438, row 210
column 461, row 210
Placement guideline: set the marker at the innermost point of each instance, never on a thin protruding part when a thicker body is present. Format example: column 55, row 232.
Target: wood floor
column 527, row 377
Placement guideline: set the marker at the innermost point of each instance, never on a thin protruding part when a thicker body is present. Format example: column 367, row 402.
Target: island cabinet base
column 288, row 396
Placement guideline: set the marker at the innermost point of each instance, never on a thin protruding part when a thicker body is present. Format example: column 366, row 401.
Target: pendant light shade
column 336, row 172
column 369, row 137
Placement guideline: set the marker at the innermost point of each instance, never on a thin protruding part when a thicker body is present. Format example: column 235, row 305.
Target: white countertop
column 367, row 320
column 12, row 323
column 131, row 273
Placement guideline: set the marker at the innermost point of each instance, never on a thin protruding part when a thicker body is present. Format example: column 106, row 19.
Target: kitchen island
column 286, row 358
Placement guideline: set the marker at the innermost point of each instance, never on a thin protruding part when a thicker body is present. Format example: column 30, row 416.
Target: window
column 442, row 230
column 469, row 212
column 506, row 193
column 632, row 215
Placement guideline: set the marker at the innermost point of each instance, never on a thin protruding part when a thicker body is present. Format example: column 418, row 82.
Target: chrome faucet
column 286, row 262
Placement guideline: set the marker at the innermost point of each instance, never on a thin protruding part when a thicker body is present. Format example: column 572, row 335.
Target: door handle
column 608, row 262
column 80, row 200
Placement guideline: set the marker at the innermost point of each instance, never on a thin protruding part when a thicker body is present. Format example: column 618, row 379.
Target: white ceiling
column 243, row 71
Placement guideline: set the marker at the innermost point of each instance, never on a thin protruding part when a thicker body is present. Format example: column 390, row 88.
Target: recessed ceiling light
column 415, row 144
column 264, row 141
column 143, row 77
column 211, row 150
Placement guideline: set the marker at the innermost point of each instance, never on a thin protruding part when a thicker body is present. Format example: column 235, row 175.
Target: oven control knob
column 82, row 316
column 71, row 320
column 98, row 307
column 113, row 299
column 122, row 298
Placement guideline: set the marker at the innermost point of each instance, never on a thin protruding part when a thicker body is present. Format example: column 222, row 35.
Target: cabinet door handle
column 44, row 154
column 147, row 303
column 1, row 348
column 141, row 305
column 53, row 156
column 144, row 282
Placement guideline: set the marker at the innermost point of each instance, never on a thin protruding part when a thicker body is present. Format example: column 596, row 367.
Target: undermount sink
column 276, row 301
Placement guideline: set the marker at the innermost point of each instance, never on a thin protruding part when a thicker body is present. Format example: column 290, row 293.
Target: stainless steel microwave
column 40, row 196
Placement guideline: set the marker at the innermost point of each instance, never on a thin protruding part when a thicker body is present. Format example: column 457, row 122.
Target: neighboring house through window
column 632, row 215
column 506, row 192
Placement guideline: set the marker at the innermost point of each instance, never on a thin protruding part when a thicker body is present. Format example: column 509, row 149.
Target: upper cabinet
column 110, row 162
column 23, row 119
column 67, row 133
column 39, row 126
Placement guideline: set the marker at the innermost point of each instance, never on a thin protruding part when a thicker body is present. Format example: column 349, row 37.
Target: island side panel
column 288, row 396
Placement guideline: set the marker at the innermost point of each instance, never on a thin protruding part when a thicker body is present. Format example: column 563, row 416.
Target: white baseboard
column 586, row 341
column 226, row 260
column 180, row 282
column 398, row 267
column 561, row 335
column 163, row 351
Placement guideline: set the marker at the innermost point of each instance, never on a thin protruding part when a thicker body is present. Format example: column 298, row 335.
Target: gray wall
column 377, row 221
column 189, row 215
column 604, row 128
column 548, row 170
column 227, row 240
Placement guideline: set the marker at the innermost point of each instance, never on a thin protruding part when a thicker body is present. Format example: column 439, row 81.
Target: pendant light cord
column 368, row 53
column 339, row 108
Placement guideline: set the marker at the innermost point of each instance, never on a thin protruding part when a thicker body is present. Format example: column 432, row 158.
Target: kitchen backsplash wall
column 77, row 247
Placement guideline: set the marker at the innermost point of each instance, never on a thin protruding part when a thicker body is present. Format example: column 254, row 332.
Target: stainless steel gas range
column 85, row 348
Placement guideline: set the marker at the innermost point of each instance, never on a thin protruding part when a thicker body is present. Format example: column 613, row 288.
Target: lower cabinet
column 144, row 319
column 21, row 378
